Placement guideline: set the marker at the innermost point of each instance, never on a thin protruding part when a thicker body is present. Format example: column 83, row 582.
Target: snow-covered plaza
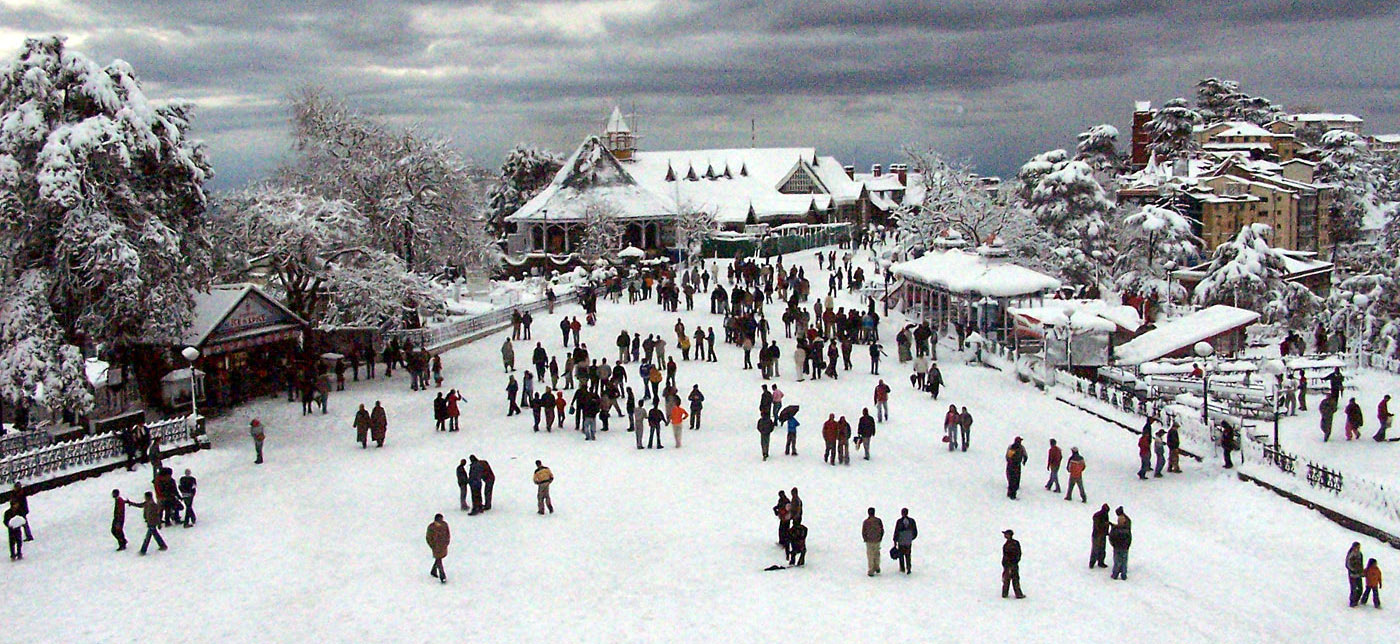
column 325, row 540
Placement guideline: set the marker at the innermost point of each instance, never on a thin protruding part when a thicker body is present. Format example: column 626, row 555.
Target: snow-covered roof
column 732, row 182
column 1242, row 128
column 213, row 308
column 616, row 123
column 590, row 177
column 1322, row 117
column 1179, row 333
column 1389, row 139
column 964, row 272
column 1083, row 315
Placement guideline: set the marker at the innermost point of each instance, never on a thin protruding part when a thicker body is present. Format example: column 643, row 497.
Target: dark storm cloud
column 994, row 81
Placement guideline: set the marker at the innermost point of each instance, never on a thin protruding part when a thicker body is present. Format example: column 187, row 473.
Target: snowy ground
column 1301, row 433
column 326, row 540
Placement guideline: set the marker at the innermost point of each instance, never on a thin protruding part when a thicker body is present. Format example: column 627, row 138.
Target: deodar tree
column 1074, row 210
column 1155, row 241
column 1247, row 272
column 102, row 208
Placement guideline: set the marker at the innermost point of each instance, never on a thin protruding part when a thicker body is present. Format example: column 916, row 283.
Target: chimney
column 903, row 171
column 850, row 171
column 875, row 170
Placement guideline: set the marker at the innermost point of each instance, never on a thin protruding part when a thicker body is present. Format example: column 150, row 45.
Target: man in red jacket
column 1383, row 414
column 1052, row 463
column 1145, row 452
column 830, row 430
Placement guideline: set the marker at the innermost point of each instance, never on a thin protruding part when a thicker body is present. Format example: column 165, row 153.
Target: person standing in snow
column 1229, row 442
column 255, row 430
column 1120, row 536
column 187, row 488
column 1075, row 466
column 14, row 528
column 474, row 482
column 934, row 381
column 876, row 350
column 19, row 498
column 1383, row 415
column 950, row 427
column 1327, row 409
column 440, row 413
column 678, row 417
column 1052, row 463
column 361, row 424
column 1015, row 458
column 1098, row 548
column 1144, row 445
column 543, row 477
column 872, row 532
column 790, row 447
column 905, row 532
column 1159, row 450
column 454, row 410
column 119, row 519
column 378, row 424
column 830, row 429
column 1373, row 584
column 1355, row 572
column 1011, row 565
column 765, row 432
column 488, row 483
column 865, row 430
column 697, row 403
column 965, row 426
column 797, row 543
column 508, row 355
column 783, row 510
column 439, row 536
column 1174, row 448
column 151, row 512
column 463, row 482
column 882, row 401
column 1354, row 420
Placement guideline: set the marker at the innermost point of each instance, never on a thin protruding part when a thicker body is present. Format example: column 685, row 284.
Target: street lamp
column 1361, row 301
column 191, row 354
column 1205, row 351
column 1276, row 369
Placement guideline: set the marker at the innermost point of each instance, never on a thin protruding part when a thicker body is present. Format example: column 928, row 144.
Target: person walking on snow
column 187, row 488
column 791, row 446
column 865, row 430
column 151, row 512
column 905, row 532
column 1355, row 572
column 1159, row 450
column 1145, row 451
column 765, row 432
column 882, row 401
column 1011, row 565
column 543, row 477
column 378, row 424
column 829, row 431
column 1383, row 415
column 508, row 356
column 1075, row 466
column 1015, row 458
column 1052, row 463
column 872, row 532
column 950, row 427
column 1373, row 584
column 255, row 430
column 1354, row 420
column 965, row 426
column 361, row 424
column 439, row 536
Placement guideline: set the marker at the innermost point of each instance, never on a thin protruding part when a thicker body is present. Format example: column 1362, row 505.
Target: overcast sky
column 987, row 81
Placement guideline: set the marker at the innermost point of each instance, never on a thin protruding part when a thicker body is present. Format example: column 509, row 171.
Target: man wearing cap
column 1015, row 458
column 1011, row 565
column 255, row 429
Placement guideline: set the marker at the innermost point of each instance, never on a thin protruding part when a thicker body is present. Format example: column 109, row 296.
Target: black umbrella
column 787, row 412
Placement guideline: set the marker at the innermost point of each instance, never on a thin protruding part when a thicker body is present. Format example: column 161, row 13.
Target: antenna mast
column 753, row 134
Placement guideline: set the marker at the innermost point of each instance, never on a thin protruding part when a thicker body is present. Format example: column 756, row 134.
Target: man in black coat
column 463, row 481
column 474, row 476
column 1099, row 548
column 1011, row 565
column 1015, row 458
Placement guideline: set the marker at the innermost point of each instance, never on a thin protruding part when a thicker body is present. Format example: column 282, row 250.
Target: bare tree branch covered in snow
column 693, row 226
column 316, row 251
column 422, row 201
column 101, row 218
column 953, row 199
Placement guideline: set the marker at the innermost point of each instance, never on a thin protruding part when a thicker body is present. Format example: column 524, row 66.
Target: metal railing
column 18, row 442
column 436, row 336
column 37, row 464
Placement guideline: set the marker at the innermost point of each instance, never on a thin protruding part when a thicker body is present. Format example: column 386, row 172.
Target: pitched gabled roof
column 593, row 175
column 616, row 123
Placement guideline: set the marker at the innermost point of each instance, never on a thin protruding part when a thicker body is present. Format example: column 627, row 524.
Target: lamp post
column 1361, row 301
column 191, row 354
column 1205, row 351
column 1276, row 369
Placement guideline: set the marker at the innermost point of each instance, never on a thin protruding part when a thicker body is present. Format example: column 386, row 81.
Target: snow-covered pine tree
column 1074, row 209
column 1098, row 147
column 101, row 218
column 1171, row 129
column 1030, row 174
column 525, row 172
column 1221, row 100
column 1155, row 241
column 1248, row 273
column 1348, row 164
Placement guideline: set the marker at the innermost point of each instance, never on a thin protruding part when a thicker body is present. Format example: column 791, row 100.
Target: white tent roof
column 965, row 272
